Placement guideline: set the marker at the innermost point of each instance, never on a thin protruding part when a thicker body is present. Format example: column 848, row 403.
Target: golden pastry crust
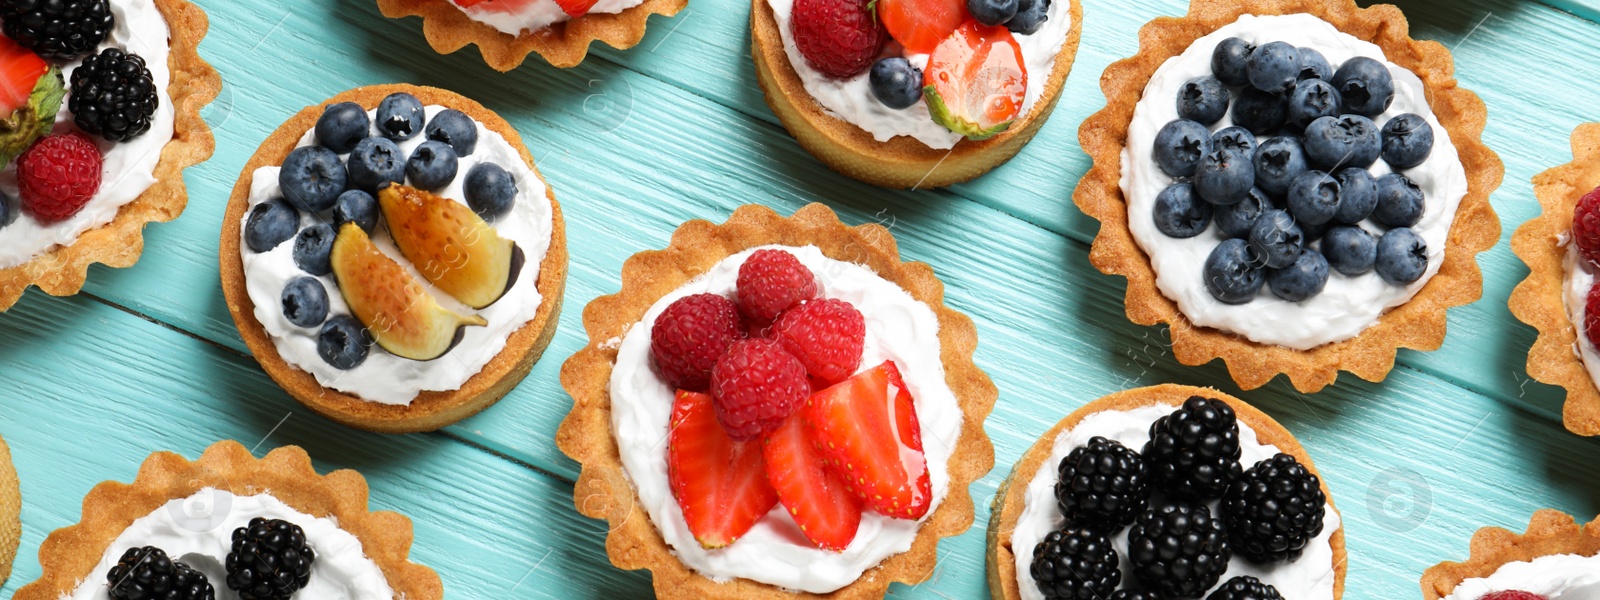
column 69, row 555
column 1539, row 299
column 563, row 44
column 10, row 511
column 603, row 491
column 430, row 410
column 1417, row 324
column 1549, row 532
column 901, row 162
column 61, row 271
column 1008, row 502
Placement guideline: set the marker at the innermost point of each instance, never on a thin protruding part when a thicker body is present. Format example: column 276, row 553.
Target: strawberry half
column 866, row 428
column 20, row 70
column 920, row 25
column 976, row 80
column 828, row 514
column 720, row 484
column 576, row 8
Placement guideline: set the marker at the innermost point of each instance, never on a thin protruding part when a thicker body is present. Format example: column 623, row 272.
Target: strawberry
column 720, row 484
column 976, row 80
column 576, row 8
column 840, row 38
column 867, row 429
column 30, row 96
column 20, row 70
column 828, row 514
column 920, row 25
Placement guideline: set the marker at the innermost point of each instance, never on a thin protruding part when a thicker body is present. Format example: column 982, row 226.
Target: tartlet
column 10, row 511
column 1550, row 532
column 563, row 44
column 1418, row 323
column 604, row 490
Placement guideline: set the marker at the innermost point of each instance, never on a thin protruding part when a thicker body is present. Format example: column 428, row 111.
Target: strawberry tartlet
column 506, row 31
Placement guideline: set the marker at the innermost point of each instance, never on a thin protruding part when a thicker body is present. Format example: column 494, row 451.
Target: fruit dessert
column 1555, row 559
column 791, row 408
column 1166, row 492
column 10, row 512
column 393, row 258
column 99, row 114
column 1294, row 188
column 229, row 526
column 913, row 93
column 506, row 31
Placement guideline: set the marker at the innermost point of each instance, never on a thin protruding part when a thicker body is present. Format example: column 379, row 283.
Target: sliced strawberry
column 828, row 514
column 576, row 8
column 920, row 25
column 866, row 427
column 720, row 484
column 20, row 70
column 976, row 80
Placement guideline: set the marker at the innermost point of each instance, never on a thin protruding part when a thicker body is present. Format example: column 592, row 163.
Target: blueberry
column 1233, row 273
column 1230, row 61
column 343, row 342
column 1400, row 201
column 1237, row 140
column 1274, row 67
column 376, row 161
column 1278, row 161
column 431, row 166
column 1234, row 220
column 992, row 12
column 1181, row 214
column 1407, row 140
column 1031, row 15
column 311, row 178
column 1224, row 177
column 1402, row 256
column 1313, row 65
column 895, row 82
column 305, row 302
column 1259, row 111
column 1302, row 279
column 490, row 190
column 1347, row 141
column 356, row 206
column 270, row 223
column 1276, row 238
column 341, row 126
column 1312, row 99
column 1314, row 197
column 1365, row 86
column 400, row 116
column 1180, row 145
column 1358, row 194
column 313, row 249
column 1350, row 249
column 454, row 127
column 1203, row 99
column 1310, row 233
column 8, row 209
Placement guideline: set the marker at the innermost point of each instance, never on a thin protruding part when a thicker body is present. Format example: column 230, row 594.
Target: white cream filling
column 198, row 531
column 1556, row 577
column 129, row 167
column 384, row 377
column 774, row 552
column 533, row 15
column 1348, row 305
column 1575, row 296
column 1310, row 577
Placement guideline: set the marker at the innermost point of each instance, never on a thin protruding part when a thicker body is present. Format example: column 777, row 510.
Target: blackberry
column 57, row 29
column 189, row 584
column 1193, row 453
column 147, row 573
column 1074, row 564
column 269, row 561
column 1245, row 587
column 1103, row 485
column 1273, row 510
column 1134, row 595
column 1178, row 551
column 113, row 95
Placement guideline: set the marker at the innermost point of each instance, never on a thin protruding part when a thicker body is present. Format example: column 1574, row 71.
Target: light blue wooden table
column 637, row 142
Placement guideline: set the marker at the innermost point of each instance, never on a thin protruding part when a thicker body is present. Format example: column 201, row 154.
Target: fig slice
column 451, row 246
column 403, row 317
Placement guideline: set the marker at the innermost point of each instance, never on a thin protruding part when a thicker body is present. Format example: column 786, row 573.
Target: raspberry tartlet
column 10, row 511
column 393, row 258
column 913, row 93
column 791, row 408
column 1557, row 557
column 99, row 116
column 506, row 31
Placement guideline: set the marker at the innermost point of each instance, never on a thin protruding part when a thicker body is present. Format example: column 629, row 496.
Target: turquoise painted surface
column 635, row 143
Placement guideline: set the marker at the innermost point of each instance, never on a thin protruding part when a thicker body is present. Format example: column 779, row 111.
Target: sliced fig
column 403, row 318
column 450, row 245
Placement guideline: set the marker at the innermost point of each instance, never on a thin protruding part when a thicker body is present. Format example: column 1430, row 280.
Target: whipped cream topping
column 1575, row 296
column 1310, row 577
column 129, row 167
column 1555, row 577
column 384, row 377
column 851, row 100
column 774, row 552
column 198, row 531
column 513, row 17
column 1348, row 305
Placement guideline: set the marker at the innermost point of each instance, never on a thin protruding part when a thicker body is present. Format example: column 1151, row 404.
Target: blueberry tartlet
column 506, row 31
column 1556, row 558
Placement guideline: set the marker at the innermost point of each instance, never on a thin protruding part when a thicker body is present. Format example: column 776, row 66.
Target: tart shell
column 901, row 162
column 62, row 270
column 69, row 555
column 1538, row 300
column 563, row 44
column 10, row 512
column 429, row 410
column 603, row 490
column 1549, row 532
column 1417, row 324
column 1008, row 503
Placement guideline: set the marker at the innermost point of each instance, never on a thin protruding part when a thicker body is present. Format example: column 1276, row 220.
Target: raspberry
column 826, row 335
column 1586, row 226
column 756, row 386
column 58, row 175
column 1591, row 315
column 840, row 38
column 689, row 336
column 1512, row 595
column 771, row 281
